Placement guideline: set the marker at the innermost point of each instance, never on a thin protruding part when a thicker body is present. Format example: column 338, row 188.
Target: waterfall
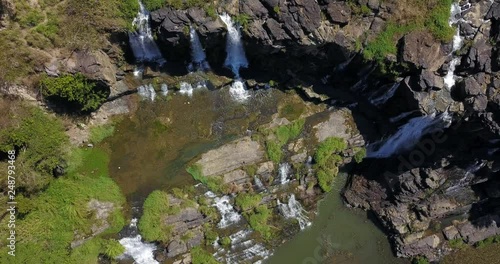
column 293, row 209
column 401, row 116
column 229, row 216
column 468, row 176
column 456, row 12
column 147, row 91
column 409, row 135
column 377, row 99
column 186, row 88
column 199, row 58
column 141, row 252
column 258, row 183
column 164, row 89
column 235, row 58
column 238, row 91
column 284, row 172
column 141, row 41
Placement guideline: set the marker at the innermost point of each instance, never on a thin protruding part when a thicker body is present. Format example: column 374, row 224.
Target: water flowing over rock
column 378, row 99
column 456, row 13
column 164, row 89
column 141, row 252
column 147, row 91
column 229, row 216
column 244, row 249
column 258, row 183
column 186, row 89
column 199, row 58
column 238, row 91
column 284, row 172
column 294, row 210
column 409, row 134
column 235, row 58
column 141, row 41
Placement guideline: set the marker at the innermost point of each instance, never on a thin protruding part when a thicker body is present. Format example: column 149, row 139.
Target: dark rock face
column 339, row 12
column 421, row 51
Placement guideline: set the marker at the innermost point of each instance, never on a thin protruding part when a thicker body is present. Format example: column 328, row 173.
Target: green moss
column 242, row 20
column 457, row 243
column 113, row 249
column 273, row 151
column 210, row 234
column 248, row 201
column 488, row 241
column 225, row 242
column 420, row 260
column 327, row 148
column 214, row 183
column 327, row 159
column 283, row 135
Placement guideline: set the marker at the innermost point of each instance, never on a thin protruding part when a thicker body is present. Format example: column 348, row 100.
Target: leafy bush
column 73, row 89
column 242, row 20
column 200, row 256
column 327, row 148
column 225, row 242
column 248, row 201
column 283, row 134
column 151, row 225
column 32, row 18
column 259, row 221
column 273, row 151
column 326, row 159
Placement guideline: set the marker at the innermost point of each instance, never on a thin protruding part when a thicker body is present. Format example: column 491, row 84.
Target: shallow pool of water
column 337, row 235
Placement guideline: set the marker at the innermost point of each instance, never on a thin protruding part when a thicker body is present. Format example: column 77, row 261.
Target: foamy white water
column 186, row 89
column 458, row 40
column 164, row 89
column 229, row 216
column 140, row 252
column 141, row 41
column 379, row 99
column 293, row 209
column 284, row 172
column 235, row 58
column 409, row 135
column 238, row 91
column 147, row 91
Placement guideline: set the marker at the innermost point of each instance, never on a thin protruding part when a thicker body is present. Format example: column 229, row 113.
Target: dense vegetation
column 327, row 159
column 73, row 90
column 155, row 208
column 410, row 15
column 214, row 183
column 278, row 137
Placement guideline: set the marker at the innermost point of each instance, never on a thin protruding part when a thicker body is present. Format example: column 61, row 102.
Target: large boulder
column 421, row 51
column 339, row 12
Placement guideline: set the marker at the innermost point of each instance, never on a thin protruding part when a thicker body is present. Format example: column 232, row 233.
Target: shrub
column 113, row 249
column 283, row 134
column 75, row 90
column 273, row 151
column 457, row 243
column 225, row 242
column 327, row 160
column 242, row 20
column 327, row 148
column 210, row 234
column 32, row 18
column 420, row 260
column 214, row 183
column 200, row 256
column 248, row 201
column 360, row 155
column 488, row 241
column 258, row 220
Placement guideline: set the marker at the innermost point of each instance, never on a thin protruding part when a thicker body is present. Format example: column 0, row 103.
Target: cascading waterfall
column 258, row 183
column 147, row 91
column 141, row 41
column 229, row 216
column 199, row 58
column 378, row 99
column 235, row 58
column 456, row 12
column 141, row 252
column 164, row 89
column 284, row 172
column 409, row 135
column 294, row 210
column 186, row 89
column 468, row 176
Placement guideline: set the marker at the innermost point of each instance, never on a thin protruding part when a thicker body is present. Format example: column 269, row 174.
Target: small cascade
column 238, row 91
column 456, row 13
column 164, row 89
column 147, row 91
column 468, row 176
column 378, row 99
column 199, row 58
column 409, row 135
column 243, row 249
column 294, row 210
column 229, row 216
column 235, row 58
column 140, row 252
column 141, row 41
column 258, row 183
column 186, row 89
column 401, row 116
column 284, row 172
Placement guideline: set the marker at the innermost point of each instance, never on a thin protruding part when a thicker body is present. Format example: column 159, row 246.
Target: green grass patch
column 273, row 151
column 420, row 260
column 214, row 183
column 457, row 243
column 258, row 219
column 99, row 133
column 327, row 159
column 151, row 226
column 248, row 201
column 201, row 256
column 282, row 135
column 488, row 241
column 53, row 217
